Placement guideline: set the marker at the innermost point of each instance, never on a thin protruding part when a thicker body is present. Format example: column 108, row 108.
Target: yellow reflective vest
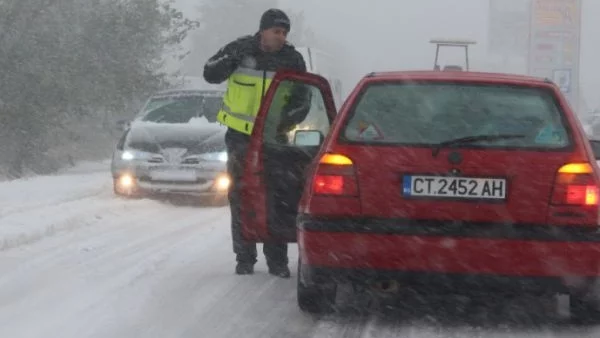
column 245, row 90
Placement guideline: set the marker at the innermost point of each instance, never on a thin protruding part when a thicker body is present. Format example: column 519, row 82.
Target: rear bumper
column 367, row 249
column 446, row 283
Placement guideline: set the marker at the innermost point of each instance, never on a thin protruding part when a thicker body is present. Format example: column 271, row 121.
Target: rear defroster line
column 473, row 139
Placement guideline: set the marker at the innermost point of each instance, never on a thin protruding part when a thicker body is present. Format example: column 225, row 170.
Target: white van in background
column 320, row 63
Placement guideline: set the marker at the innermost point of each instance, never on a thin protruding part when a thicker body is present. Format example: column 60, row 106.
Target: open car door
column 280, row 152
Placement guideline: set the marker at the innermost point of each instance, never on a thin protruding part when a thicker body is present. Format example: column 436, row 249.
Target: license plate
column 454, row 187
column 173, row 175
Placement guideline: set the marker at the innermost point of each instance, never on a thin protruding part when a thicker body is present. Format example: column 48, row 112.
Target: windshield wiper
column 474, row 139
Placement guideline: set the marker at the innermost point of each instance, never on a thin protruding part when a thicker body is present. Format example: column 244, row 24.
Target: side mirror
column 308, row 138
column 596, row 148
column 123, row 124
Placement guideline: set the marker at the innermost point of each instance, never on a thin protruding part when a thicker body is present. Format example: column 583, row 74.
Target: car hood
column 195, row 137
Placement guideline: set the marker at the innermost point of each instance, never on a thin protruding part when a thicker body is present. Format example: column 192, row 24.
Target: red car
column 434, row 181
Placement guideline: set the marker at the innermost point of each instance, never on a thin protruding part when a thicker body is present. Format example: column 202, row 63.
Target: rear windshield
column 426, row 114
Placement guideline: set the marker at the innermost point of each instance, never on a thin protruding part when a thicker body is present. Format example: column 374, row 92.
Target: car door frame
column 254, row 208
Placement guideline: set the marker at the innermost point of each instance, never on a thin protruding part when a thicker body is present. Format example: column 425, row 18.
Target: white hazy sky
column 394, row 34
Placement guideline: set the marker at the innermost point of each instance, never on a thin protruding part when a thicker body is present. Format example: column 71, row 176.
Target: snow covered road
column 77, row 262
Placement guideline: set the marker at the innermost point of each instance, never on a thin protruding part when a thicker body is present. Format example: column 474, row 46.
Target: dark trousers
column 275, row 253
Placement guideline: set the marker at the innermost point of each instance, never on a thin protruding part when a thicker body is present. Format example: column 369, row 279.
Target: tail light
column 576, row 185
column 335, row 176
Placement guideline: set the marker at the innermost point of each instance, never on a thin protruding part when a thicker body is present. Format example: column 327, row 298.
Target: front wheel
column 220, row 201
column 315, row 298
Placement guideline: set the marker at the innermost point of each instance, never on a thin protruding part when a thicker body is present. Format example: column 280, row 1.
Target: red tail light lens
column 576, row 185
column 334, row 185
column 582, row 195
column 335, row 176
column 329, row 185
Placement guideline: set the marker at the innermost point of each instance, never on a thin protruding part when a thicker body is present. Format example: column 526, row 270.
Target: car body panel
column 274, row 175
column 485, row 256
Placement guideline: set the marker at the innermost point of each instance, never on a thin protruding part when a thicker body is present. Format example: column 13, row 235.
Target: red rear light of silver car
column 576, row 185
column 335, row 176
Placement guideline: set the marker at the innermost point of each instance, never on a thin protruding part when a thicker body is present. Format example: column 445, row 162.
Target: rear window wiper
column 474, row 139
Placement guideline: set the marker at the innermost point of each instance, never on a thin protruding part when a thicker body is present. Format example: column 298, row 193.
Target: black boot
column 281, row 271
column 244, row 269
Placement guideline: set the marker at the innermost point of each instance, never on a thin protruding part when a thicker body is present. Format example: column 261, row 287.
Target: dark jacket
column 219, row 67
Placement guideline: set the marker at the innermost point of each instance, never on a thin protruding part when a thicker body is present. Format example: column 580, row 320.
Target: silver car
column 176, row 146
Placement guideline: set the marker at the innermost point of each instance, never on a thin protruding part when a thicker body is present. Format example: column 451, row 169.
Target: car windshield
column 181, row 109
column 427, row 114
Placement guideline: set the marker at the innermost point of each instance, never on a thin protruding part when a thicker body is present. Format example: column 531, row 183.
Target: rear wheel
column 584, row 310
column 315, row 298
column 584, row 303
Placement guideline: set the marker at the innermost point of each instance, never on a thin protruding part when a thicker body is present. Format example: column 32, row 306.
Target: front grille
column 156, row 160
column 147, row 179
column 190, row 161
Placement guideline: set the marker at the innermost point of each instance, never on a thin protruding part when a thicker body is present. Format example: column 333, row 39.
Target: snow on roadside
column 37, row 207
column 21, row 195
column 87, row 167
column 83, row 283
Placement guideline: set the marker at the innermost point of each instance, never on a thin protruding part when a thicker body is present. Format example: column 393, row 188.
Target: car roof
column 458, row 76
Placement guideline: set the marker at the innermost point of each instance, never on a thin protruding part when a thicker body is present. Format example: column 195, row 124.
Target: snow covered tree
column 61, row 59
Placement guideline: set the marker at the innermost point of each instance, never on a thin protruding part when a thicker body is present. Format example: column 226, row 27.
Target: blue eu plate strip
column 406, row 184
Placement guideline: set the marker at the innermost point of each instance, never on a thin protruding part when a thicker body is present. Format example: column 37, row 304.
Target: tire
column 315, row 299
column 116, row 189
column 584, row 311
column 214, row 201
column 220, row 201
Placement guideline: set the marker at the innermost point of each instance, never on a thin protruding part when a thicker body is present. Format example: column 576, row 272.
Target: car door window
column 296, row 106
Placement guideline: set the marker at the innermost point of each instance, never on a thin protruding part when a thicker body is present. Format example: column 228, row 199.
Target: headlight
column 217, row 156
column 129, row 155
column 222, row 182
column 126, row 181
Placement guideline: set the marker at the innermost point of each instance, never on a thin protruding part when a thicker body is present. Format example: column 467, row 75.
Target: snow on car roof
column 201, row 121
column 188, row 92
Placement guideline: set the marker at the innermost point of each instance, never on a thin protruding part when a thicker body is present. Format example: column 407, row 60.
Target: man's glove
column 284, row 128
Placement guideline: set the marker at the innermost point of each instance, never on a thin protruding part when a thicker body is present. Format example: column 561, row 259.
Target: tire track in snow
column 27, row 208
column 91, row 293
column 48, row 221
column 23, row 196
column 95, row 242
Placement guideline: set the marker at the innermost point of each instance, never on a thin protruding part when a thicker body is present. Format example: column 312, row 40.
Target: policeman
column 248, row 64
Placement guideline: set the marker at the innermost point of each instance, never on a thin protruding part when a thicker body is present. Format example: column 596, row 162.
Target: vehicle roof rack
column 451, row 43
